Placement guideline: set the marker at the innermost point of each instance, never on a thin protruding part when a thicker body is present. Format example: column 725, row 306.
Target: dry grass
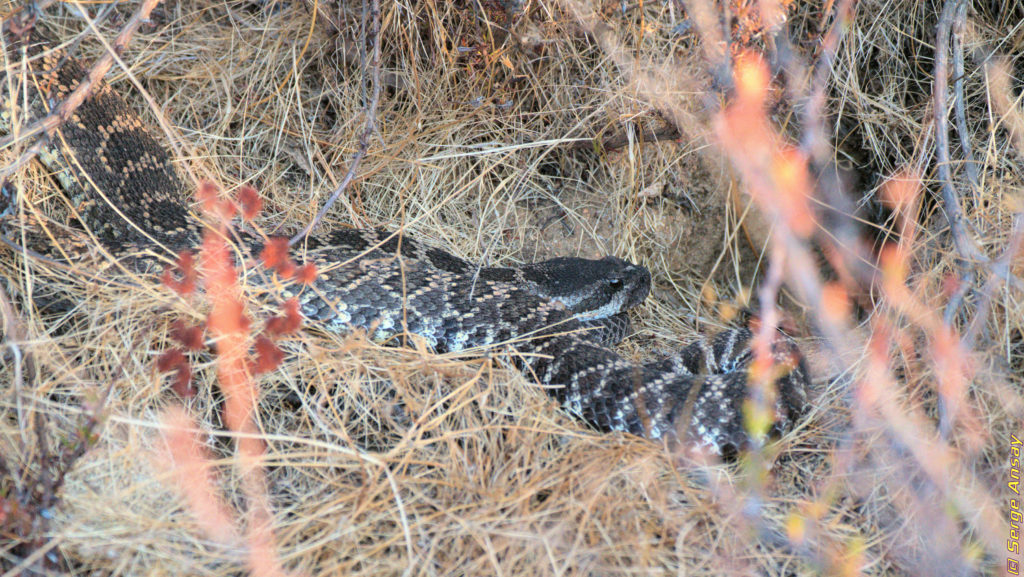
column 383, row 461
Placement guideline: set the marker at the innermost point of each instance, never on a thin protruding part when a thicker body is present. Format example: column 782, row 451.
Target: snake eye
column 615, row 284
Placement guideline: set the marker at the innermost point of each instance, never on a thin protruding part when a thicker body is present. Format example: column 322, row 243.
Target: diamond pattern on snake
column 560, row 315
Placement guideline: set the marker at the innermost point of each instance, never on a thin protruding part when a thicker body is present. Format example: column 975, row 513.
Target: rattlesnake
column 391, row 285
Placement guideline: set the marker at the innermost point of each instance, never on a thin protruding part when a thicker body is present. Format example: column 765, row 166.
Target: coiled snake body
column 372, row 279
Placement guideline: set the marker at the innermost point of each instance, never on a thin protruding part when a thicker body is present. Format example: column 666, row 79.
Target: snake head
column 591, row 289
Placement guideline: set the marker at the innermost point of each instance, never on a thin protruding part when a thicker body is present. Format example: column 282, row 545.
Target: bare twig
column 956, row 300
column 960, row 104
column 351, row 55
column 999, row 268
column 1002, row 100
column 953, row 20
column 754, row 160
column 965, row 246
column 814, row 139
column 373, row 69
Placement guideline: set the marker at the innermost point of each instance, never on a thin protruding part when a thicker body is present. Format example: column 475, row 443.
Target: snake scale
column 391, row 285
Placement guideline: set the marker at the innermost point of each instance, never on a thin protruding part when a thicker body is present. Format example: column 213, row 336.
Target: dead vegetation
column 512, row 136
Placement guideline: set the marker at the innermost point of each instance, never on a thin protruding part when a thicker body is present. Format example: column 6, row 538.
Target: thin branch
column 372, row 68
column 965, row 246
column 999, row 268
column 960, row 104
column 814, row 139
column 955, row 301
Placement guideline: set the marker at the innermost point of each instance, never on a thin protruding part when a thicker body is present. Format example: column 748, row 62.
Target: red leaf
column 229, row 318
column 191, row 338
column 275, row 253
column 289, row 322
column 207, row 195
column 170, row 360
column 286, row 269
column 250, row 202
column 183, row 382
column 305, row 274
column 174, row 360
column 186, row 269
column 268, row 355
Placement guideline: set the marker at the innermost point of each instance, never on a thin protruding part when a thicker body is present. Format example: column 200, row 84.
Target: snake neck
column 128, row 191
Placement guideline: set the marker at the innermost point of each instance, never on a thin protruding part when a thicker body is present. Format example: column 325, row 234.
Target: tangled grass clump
column 803, row 158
